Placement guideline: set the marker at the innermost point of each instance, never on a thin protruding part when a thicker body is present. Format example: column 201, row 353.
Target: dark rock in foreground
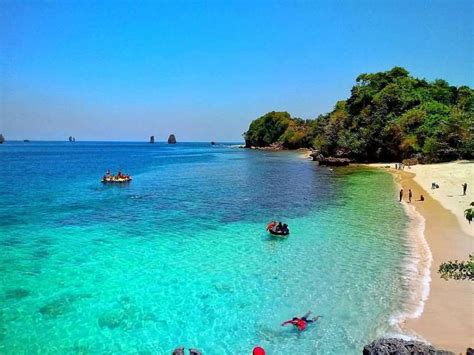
column 171, row 139
column 393, row 346
column 330, row 161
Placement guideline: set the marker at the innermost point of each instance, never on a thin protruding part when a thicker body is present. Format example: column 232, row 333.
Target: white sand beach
column 449, row 177
column 447, row 320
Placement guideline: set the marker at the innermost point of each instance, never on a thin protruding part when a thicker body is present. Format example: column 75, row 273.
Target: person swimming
column 301, row 323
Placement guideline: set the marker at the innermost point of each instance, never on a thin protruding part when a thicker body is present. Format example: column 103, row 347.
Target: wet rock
column 393, row 346
column 17, row 293
column 79, row 350
column 330, row 161
column 56, row 308
column 150, row 317
column 113, row 319
column 61, row 306
column 171, row 139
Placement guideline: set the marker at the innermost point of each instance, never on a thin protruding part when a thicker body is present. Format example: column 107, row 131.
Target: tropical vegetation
column 458, row 270
column 389, row 116
column 469, row 214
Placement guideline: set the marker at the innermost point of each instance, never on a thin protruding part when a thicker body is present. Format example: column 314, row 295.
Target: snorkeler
column 302, row 322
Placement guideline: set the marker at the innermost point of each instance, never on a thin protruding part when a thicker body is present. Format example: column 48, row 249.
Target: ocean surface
column 180, row 256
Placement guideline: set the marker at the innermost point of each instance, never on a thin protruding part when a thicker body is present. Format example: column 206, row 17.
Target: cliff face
column 171, row 139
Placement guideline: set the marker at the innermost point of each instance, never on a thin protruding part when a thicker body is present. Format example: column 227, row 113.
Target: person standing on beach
column 401, row 195
column 464, row 189
column 410, row 195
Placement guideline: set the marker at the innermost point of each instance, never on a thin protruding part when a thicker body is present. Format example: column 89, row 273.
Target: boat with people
column 119, row 178
column 278, row 229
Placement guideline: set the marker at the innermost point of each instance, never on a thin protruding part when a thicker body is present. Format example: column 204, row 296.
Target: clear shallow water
column 180, row 257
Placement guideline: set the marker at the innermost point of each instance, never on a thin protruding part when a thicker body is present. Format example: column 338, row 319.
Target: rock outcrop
column 2, row 139
column 273, row 146
column 171, row 139
column 152, row 139
column 393, row 346
column 329, row 161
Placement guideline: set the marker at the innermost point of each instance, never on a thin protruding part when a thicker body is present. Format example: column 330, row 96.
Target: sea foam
column 417, row 276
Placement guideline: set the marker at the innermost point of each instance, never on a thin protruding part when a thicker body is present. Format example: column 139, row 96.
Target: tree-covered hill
column 389, row 116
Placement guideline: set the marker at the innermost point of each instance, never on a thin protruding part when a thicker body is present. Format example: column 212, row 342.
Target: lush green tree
column 267, row 129
column 388, row 116
column 469, row 214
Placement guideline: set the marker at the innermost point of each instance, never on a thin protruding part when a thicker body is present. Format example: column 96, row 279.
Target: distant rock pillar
column 152, row 139
column 171, row 139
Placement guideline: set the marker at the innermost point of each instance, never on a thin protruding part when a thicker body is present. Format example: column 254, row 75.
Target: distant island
column 389, row 116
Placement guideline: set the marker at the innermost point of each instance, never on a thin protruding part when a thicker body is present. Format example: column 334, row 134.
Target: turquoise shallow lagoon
column 180, row 255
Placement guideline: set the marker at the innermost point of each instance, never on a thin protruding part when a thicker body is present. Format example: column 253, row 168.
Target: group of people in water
column 120, row 177
column 275, row 227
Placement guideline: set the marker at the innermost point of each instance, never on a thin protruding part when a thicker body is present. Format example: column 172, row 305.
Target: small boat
column 115, row 180
column 272, row 227
column 279, row 233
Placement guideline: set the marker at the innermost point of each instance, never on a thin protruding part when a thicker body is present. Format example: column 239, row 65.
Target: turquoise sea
column 180, row 255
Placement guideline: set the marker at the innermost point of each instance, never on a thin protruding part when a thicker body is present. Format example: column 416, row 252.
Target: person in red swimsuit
column 301, row 323
column 271, row 225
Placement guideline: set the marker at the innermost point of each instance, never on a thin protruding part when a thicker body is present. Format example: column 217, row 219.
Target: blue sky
column 204, row 69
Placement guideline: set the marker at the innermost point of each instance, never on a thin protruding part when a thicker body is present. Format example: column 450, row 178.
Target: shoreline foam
column 417, row 272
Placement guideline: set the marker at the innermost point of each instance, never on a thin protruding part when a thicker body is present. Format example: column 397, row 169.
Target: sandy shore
column 447, row 320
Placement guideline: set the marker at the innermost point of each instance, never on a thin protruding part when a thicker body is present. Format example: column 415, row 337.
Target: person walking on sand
column 401, row 195
column 410, row 195
column 464, row 189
